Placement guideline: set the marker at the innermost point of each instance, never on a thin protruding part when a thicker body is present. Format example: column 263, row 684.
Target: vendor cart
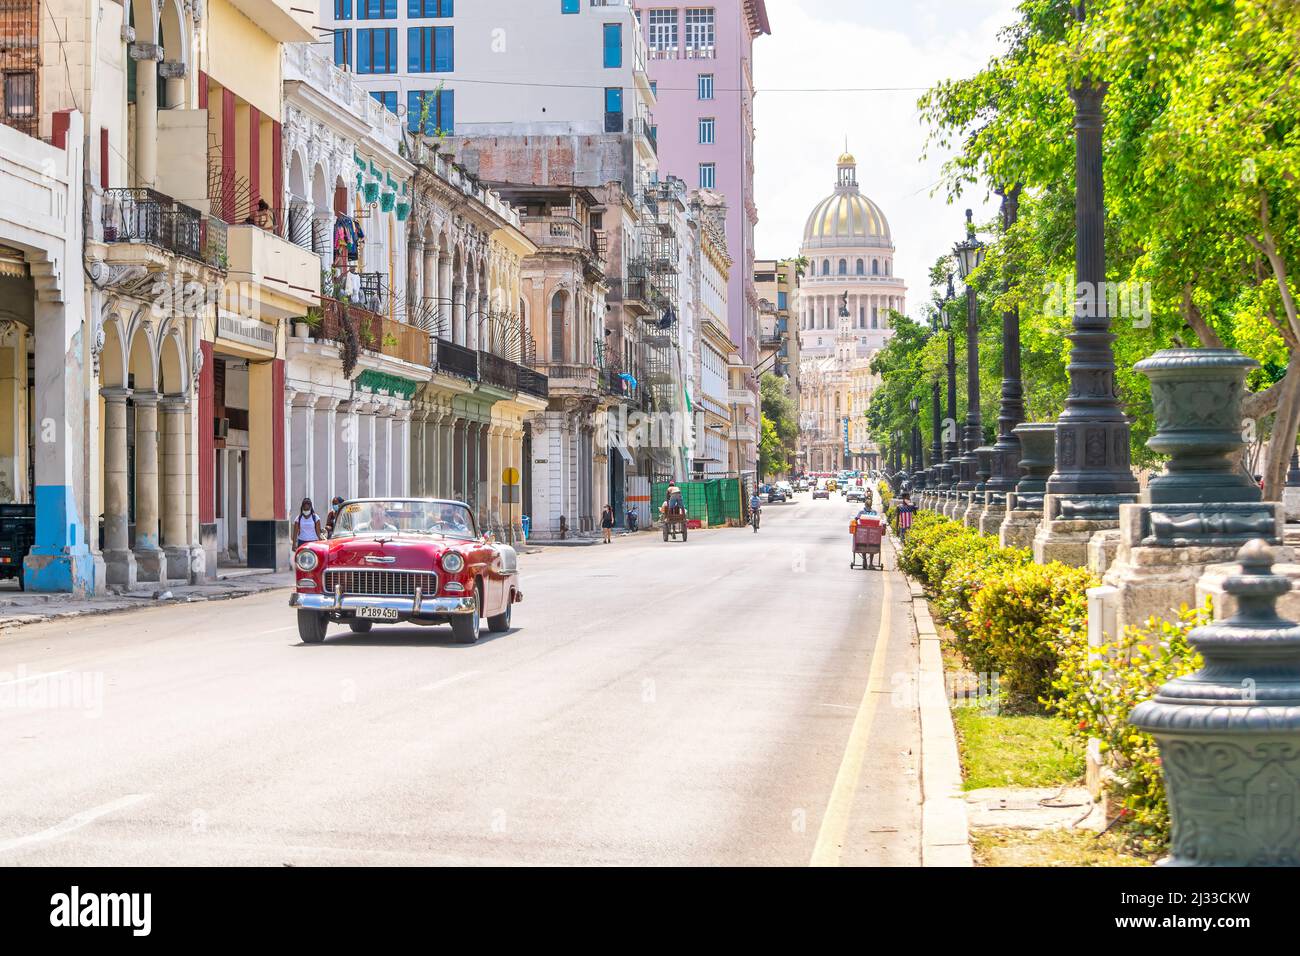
column 675, row 522
column 866, row 532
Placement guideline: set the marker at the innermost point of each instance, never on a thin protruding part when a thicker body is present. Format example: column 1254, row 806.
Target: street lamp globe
column 947, row 322
column 970, row 254
column 915, row 404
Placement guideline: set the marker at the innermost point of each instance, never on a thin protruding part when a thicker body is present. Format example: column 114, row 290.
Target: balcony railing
column 497, row 371
column 533, row 382
column 453, row 359
column 373, row 332
column 152, row 218
column 639, row 126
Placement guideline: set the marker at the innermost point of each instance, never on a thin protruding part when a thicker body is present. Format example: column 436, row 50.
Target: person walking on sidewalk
column 607, row 523
column 905, row 511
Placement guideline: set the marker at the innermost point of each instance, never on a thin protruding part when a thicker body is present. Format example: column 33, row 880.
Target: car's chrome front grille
column 379, row 582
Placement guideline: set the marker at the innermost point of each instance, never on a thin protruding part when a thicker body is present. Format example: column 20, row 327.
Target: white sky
column 864, row 43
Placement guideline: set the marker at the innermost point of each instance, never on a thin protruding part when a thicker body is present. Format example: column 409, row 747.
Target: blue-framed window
column 430, row 49
column 782, row 300
column 614, row 99
column 424, row 9
column 387, row 99
column 442, row 109
column 376, row 9
column 343, row 49
column 613, row 46
column 569, row 6
column 342, row 9
column 377, row 50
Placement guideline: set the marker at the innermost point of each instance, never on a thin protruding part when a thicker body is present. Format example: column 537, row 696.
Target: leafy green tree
column 1202, row 154
column 771, row 453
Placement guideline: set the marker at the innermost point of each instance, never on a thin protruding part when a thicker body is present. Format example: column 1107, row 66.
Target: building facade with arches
column 846, row 294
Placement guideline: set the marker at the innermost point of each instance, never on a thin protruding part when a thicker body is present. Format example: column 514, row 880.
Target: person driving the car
column 450, row 519
column 377, row 520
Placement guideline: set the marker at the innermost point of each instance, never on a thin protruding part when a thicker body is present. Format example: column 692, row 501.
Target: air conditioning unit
column 221, row 427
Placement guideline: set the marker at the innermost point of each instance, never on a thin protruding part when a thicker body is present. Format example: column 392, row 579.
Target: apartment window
column 377, row 51
column 699, row 28
column 705, row 86
column 654, row 88
column 708, row 175
column 423, row 9
column 430, row 49
column 386, row 98
column 663, row 30
column 342, row 9
column 437, row 107
column 844, row 267
column 343, row 49
column 376, row 9
column 569, row 6
column 20, row 94
column 613, row 46
column 861, row 268
column 782, row 300
column 706, row 131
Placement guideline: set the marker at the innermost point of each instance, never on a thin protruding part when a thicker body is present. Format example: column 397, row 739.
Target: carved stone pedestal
column 1023, row 516
column 1165, row 550
column 1070, row 522
column 995, row 510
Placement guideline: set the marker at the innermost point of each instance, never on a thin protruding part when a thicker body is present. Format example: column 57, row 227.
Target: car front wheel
column 465, row 627
column 311, row 626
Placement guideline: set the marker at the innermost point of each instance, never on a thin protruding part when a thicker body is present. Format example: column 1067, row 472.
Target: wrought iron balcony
column 152, row 218
column 533, row 382
column 453, row 359
column 497, row 371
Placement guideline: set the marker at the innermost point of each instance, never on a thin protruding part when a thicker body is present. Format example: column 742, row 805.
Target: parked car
column 405, row 561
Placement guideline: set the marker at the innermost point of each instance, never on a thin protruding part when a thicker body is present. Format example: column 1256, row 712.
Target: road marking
column 439, row 684
column 23, row 680
column 835, row 821
column 75, row 822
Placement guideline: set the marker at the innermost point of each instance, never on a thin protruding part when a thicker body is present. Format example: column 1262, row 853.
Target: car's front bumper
column 413, row 607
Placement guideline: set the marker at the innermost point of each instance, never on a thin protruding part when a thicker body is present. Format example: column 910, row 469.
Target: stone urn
column 1196, row 395
column 1037, row 457
column 1229, row 734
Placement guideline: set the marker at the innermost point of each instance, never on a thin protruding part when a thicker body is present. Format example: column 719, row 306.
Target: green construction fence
column 715, row 501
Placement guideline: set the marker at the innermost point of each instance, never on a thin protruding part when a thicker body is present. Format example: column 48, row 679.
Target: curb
column 13, row 621
column 945, row 825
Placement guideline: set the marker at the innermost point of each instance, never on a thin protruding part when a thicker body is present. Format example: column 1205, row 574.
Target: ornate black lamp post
column 917, row 474
column 1006, row 457
column 970, row 254
column 950, row 438
column 1092, row 432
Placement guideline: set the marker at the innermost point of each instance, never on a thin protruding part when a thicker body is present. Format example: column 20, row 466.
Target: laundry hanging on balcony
column 627, row 378
column 347, row 232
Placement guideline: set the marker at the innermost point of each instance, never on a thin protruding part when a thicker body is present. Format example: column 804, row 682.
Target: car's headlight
column 452, row 562
column 306, row 560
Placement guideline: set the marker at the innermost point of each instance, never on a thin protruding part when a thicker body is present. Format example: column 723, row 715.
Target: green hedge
column 1028, row 624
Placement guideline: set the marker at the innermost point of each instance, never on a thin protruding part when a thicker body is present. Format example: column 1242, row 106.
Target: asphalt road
column 737, row 699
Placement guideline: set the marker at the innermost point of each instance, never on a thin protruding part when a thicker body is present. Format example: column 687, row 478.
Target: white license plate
column 377, row 613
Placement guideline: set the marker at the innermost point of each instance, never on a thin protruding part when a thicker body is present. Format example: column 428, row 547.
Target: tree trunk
column 1286, row 423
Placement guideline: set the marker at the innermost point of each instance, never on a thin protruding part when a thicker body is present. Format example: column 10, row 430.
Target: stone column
column 366, row 487
column 299, row 460
column 119, row 560
column 145, row 57
column 323, row 479
column 445, row 292
column 148, row 556
column 430, row 290
column 175, row 411
column 414, row 277
column 345, row 450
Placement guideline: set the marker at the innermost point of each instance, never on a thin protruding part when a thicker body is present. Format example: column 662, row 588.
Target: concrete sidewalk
column 25, row 607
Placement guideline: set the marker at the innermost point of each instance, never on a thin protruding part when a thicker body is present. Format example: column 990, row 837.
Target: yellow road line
column 835, row 821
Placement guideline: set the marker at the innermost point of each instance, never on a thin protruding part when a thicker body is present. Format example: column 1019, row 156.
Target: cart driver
column 673, row 500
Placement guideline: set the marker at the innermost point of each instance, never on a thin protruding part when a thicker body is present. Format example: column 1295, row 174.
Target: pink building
column 701, row 63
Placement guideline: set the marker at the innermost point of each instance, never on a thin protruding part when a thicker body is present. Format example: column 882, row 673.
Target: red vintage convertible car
column 405, row 561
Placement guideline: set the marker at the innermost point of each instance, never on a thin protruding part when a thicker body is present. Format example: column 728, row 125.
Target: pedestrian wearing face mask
column 308, row 524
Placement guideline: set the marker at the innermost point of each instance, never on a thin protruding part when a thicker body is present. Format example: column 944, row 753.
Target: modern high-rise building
column 701, row 65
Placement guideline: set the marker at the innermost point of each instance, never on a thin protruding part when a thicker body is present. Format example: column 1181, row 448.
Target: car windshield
column 405, row 516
